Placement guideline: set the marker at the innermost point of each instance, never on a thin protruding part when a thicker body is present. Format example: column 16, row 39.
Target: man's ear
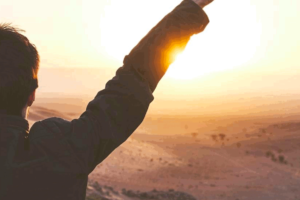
column 31, row 98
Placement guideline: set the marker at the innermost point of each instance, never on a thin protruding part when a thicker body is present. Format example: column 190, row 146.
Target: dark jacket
column 63, row 153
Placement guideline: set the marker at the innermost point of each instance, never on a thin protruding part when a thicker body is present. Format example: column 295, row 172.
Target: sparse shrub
column 238, row 145
column 214, row 137
column 194, row 134
column 98, row 187
column 281, row 159
column 129, row 193
column 144, row 195
column 269, row 153
column 222, row 136
column 263, row 130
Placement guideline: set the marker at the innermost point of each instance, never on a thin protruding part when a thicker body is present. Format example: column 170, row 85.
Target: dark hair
column 19, row 64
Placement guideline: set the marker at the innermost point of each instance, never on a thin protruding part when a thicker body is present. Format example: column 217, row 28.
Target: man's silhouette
column 53, row 160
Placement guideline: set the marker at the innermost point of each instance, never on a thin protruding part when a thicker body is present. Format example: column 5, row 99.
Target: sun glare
column 220, row 47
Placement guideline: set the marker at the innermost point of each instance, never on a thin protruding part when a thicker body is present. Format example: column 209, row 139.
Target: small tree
column 194, row 134
column 214, row 137
column 222, row 136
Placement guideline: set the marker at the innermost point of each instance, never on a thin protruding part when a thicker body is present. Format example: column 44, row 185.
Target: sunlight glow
column 122, row 29
column 213, row 51
column 208, row 52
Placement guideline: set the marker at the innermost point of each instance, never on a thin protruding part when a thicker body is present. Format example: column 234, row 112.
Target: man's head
column 19, row 64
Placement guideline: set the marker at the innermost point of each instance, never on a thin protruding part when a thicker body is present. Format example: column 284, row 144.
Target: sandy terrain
column 200, row 157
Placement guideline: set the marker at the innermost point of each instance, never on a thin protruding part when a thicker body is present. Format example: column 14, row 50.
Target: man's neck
column 23, row 114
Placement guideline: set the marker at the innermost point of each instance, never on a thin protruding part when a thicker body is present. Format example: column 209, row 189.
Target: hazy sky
column 255, row 38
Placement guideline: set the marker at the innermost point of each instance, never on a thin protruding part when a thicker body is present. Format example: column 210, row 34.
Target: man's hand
column 203, row 3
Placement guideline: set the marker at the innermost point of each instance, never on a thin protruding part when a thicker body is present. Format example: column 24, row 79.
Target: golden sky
column 250, row 38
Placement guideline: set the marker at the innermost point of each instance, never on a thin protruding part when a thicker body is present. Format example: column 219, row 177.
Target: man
column 54, row 159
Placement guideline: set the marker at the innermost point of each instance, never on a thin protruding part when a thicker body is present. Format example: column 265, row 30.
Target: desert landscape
column 225, row 120
column 231, row 157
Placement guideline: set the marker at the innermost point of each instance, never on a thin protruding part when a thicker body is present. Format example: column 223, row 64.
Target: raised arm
column 155, row 52
column 119, row 109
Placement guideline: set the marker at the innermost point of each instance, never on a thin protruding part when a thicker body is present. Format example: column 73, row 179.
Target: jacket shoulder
column 50, row 126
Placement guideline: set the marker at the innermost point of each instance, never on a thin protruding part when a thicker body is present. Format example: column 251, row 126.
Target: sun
column 222, row 46
column 209, row 54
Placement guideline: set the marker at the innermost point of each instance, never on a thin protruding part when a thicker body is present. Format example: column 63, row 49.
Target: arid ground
column 195, row 157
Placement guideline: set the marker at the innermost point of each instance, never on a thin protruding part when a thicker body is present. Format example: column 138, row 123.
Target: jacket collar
column 13, row 121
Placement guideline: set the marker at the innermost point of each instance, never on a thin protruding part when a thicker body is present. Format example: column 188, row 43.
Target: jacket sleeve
column 114, row 114
column 155, row 52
